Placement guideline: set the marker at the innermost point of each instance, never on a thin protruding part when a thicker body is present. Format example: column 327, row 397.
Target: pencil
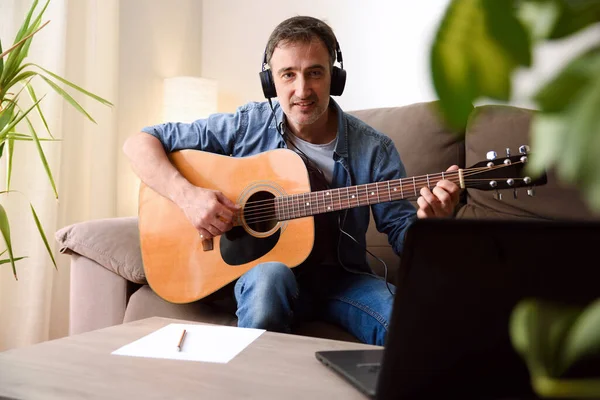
column 180, row 345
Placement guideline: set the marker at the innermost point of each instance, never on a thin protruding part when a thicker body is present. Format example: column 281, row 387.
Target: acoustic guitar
column 276, row 220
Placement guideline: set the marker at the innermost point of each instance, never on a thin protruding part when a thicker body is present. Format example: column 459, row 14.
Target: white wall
column 158, row 39
column 384, row 43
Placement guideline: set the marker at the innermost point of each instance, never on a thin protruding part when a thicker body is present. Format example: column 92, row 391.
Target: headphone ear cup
column 338, row 81
column 268, row 86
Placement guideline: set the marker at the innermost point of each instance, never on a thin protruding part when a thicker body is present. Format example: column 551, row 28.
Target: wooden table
column 274, row 366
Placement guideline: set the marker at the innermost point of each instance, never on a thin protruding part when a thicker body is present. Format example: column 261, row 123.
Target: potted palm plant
column 19, row 104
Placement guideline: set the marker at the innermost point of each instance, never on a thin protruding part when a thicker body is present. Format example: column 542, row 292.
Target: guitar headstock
column 499, row 173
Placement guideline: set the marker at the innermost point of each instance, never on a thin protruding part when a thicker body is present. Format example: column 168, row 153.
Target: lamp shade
column 188, row 98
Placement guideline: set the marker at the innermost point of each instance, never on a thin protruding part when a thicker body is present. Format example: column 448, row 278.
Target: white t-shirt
column 320, row 154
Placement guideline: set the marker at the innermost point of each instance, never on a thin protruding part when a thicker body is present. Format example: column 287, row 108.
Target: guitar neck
column 324, row 201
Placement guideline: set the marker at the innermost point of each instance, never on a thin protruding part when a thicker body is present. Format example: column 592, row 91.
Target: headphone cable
column 283, row 133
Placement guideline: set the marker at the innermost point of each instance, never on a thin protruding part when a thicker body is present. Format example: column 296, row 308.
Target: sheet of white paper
column 209, row 343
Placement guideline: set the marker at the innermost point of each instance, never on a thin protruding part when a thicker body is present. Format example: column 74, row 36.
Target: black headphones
column 338, row 76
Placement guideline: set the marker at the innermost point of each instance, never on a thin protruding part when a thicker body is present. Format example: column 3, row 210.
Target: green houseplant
column 19, row 103
column 478, row 47
column 552, row 338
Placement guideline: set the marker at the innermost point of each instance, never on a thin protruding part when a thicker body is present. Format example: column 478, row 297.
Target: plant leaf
column 25, row 26
column 5, row 230
column 547, row 138
column 9, row 162
column 20, row 77
column 574, row 16
column 524, row 331
column 39, row 110
column 28, row 138
column 507, row 30
column 6, row 129
column 74, row 86
column 42, row 157
column 539, row 17
column 16, row 55
column 584, row 337
column 34, row 28
column 566, row 389
column 471, row 59
column 568, row 138
column 43, row 235
column 559, row 93
column 7, row 260
column 1, row 60
column 538, row 329
column 68, row 98
column 6, row 115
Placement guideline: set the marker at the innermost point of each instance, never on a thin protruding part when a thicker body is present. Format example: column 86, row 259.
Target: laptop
column 449, row 330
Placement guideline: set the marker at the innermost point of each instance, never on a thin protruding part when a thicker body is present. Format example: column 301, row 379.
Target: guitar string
column 271, row 214
column 393, row 183
column 270, row 211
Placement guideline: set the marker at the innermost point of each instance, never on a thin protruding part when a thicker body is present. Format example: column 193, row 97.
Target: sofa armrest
column 113, row 243
column 98, row 297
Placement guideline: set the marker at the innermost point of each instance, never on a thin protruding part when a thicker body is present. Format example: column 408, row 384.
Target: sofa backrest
column 427, row 146
column 495, row 128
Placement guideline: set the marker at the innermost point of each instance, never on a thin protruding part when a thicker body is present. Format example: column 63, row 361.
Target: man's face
column 302, row 77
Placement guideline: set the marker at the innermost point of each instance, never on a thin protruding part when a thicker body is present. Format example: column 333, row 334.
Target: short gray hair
column 302, row 29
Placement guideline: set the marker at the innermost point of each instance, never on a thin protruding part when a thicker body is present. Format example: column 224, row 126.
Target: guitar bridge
column 207, row 244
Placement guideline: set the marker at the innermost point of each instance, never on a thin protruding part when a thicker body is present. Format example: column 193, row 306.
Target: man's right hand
column 209, row 211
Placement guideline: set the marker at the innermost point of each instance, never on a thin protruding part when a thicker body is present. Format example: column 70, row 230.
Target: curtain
column 80, row 44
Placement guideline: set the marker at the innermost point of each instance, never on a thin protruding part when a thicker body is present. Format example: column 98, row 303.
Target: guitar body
column 180, row 267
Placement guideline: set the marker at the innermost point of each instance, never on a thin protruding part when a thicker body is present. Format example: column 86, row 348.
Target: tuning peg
column 507, row 152
column 510, row 181
column 491, row 155
column 515, row 194
column 527, row 180
column 524, row 149
column 497, row 195
column 530, row 192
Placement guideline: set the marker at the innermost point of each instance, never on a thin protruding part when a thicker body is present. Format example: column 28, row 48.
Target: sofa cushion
column 426, row 145
column 145, row 303
column 497, row 127
column 113, row 243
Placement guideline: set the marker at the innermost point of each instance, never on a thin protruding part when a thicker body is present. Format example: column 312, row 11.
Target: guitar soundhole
column 260, row 213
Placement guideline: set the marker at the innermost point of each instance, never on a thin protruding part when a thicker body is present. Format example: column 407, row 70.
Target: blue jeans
column 274, row 297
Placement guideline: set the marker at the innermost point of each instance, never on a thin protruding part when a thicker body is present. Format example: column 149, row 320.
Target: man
column 338, row 286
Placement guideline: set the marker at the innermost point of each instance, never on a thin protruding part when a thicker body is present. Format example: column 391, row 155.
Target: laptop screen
column 449, row 333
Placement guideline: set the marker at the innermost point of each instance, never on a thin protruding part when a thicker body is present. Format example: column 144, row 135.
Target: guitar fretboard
column 312, row 203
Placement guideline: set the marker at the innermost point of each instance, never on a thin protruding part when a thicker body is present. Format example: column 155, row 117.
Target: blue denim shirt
column 362, row 155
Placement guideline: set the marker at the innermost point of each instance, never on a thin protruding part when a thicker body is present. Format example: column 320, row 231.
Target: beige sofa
column 107, row 278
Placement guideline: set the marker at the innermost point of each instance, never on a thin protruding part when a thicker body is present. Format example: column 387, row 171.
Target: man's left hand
column 440, row 201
